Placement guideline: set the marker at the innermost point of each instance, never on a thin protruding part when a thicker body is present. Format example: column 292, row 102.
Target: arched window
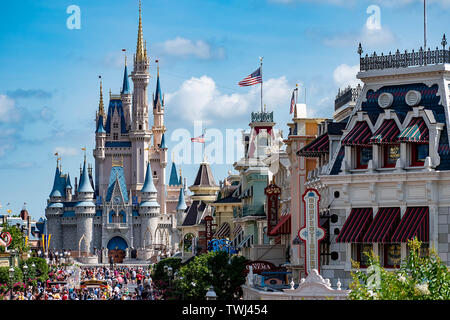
column 187, row 242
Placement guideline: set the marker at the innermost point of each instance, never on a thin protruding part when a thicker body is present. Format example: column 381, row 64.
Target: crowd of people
column 111, row 283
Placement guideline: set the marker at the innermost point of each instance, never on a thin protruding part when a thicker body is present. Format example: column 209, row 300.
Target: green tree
column 224, row 273
column 4, row 275
column 40, row 270
column 168, row 288
column 17, row 238
column 418, row 278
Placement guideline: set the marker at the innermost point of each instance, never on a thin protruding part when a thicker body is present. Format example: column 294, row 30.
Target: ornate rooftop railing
column 262, row 116
column 405, row 59
column 349, row 94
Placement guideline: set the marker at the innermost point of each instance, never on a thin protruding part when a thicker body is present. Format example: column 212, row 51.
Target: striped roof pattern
column 383, row 226
column 386, row 134
column 356, row 225
column 415, row 223
column 223, row 231
column 359, row 136
column 316, row 147
column 416, row 131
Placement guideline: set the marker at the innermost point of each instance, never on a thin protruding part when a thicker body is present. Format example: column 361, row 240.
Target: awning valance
column 416, row 131
column 415, row 223
column 387, row 133
column 223, row 231
column 383, row 226
column 315, row 148
column 237, row 230
column 247, row 242
column 283, row 226
column 356, row 225
column 359, row 136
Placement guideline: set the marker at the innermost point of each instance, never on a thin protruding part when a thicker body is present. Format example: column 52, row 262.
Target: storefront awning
column 356, row 225
column 237, row 230
column 416, row 131
column 383, row 226
column 223, row 231
column 283, row 226
column 359, row 136
column 387, row 133
column 247, row 242
column 415, row 223
column 318, row 146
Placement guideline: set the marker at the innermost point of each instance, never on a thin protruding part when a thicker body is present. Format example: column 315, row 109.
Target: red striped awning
column 415, row 223
column 359, row 136
column 283, row 227
column 416, row 131
column 383, row 226
column 356, row 225
column 315, row 148
column 387, row 133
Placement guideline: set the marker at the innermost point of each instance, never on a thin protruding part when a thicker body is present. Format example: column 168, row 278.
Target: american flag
column 200, row 139
column 293, row 100
column 252, row 79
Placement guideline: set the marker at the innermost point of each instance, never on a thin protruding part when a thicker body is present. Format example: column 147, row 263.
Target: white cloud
column 66, row 151
column 181, row 47
column 7, row 109
column 200, row 99
column 345, row 75
column 367, row 37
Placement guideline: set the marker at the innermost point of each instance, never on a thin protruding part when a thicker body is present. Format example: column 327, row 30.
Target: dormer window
column 419, row 151
column 363, row 155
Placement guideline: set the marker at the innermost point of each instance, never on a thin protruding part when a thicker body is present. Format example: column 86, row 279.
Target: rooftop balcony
column 406, row 59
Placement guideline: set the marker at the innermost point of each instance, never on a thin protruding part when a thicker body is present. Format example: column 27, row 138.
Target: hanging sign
column 272, row 192
column 208, row 228
column 311, row 233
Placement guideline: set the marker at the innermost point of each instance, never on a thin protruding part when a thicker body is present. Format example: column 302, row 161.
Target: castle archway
column 116, row 249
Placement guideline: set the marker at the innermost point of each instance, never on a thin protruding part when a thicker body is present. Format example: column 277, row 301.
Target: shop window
column 360, row 252
column 392, row 255
column 419, row 151
column 363, row 155
column 424, row 250
column 391, row 154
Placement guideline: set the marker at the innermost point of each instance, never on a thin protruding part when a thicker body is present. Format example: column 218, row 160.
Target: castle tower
column 140, row 134
column 85, row 211
column 100, row 139
column 148, row 209
column 55, row 208
column 181, row 208
column 126, row 97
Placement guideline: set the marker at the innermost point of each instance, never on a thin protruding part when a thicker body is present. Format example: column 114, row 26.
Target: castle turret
column 181, row 208
column 85, row 211
column 148, row 208
column 68, row 188
column 126, row 97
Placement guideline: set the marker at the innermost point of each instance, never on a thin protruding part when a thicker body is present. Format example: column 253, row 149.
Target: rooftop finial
column 140, row 55
column 101, row 109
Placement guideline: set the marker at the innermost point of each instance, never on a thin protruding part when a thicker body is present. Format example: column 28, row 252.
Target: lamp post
column 11, row 277
column 211, row 294
column 39, row 253
column 25, row 274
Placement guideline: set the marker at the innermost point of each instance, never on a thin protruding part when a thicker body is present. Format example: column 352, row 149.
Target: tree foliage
column 418, row 278
column 224, row 273
column 17, row 239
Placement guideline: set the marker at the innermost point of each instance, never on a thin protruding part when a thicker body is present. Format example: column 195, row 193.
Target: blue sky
column 49, row 73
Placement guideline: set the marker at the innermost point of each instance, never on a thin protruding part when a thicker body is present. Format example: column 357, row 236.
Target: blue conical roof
column 85, row 184
column 181, row 201
column 59, row 184
column 162, row 145
column 173, row 180
column 68, row 184
column 148, row 183
column 100, row 128
column 158, row 95
column 126, row 85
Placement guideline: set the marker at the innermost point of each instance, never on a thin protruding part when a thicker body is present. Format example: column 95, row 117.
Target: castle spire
column 101, row 109
column 85, row 184
column 140, row 54
column 126, row 84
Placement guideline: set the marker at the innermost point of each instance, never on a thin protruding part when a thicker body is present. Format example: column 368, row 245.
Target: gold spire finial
column 140, row 40
column 157, row 66
column 101, row 109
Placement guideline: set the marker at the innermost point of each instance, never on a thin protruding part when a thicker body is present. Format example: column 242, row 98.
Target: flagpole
column 424, row 25
column 260, row 60
column 204, row 143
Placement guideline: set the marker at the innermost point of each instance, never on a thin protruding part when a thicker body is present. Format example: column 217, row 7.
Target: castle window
column 115, row 136
column 115, row 125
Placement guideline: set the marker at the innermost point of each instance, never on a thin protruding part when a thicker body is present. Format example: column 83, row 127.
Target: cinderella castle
column 126, row 209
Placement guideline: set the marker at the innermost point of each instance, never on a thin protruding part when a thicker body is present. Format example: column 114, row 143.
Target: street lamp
column 211, row 294
column 39, row 253
column 25, row 274
column 11, row 277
